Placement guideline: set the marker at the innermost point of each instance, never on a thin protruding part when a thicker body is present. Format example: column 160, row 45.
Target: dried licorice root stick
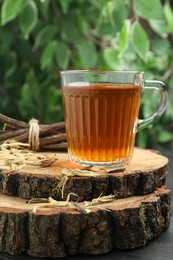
column 13, row 123
column 51, row 137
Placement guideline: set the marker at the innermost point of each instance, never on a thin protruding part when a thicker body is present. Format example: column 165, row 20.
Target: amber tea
column 101, row 115
column 101, row 120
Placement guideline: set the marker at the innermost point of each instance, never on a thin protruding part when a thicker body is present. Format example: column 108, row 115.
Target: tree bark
column 58, row 232
column 146, row 172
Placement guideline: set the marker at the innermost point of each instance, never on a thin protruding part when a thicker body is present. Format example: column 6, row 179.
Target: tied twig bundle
column 38, row 136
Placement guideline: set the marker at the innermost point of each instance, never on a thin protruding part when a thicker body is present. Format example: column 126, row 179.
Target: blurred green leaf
column 119, row 17
column 111, row 19
column 10, row 9
column 107, row 8
column 28, row 18
column 105, row 29
column 88, row 54
column 111, row 58
column 168, row 114
column 160, row 46
column 63, row 54
column 140, row 40
column 45, row 35
column 6, row 40
column 70, row 30
column 168, row 12
column 48, row 54
column 124, row 37
column 160, row 27
column 26, row 94
column 12, row 61
column 130, row 55
column 148, row 9
column 25, row 103
column 90, row 13
column 64, row 5
column 165, row 136
column 54, row 105
column 82, row 23
column 142, row 138
column 43, row 7
column 149, row 104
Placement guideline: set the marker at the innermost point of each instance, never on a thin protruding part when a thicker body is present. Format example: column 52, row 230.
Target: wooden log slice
column 57, row 232
column 146, row 172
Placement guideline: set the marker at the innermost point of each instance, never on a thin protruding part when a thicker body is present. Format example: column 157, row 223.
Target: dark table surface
column 158, row 249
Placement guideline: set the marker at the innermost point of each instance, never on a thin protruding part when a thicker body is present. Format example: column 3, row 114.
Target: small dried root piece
column 60, row 186
column 99, row 202
column 90, row 171
column 37, row 200
column 51, row 203
column 81, row 172
column 83, row 207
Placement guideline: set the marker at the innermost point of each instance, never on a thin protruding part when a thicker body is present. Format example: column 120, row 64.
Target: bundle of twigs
column 40, row 137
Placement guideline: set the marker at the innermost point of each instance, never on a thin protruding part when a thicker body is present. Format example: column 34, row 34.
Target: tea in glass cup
column 101, row 114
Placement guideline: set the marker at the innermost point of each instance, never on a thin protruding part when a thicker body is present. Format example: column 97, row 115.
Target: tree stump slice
column 145, row 173
column 57, row 232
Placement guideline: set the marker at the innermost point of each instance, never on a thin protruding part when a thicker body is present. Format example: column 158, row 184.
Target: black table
column 158, row 249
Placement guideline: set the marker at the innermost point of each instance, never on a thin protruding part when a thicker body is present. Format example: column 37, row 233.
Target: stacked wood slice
column 50, row 207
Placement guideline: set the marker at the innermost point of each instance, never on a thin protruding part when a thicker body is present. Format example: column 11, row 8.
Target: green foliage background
column 40, row 37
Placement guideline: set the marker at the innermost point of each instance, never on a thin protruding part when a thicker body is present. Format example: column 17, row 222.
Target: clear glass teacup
column 101, row 114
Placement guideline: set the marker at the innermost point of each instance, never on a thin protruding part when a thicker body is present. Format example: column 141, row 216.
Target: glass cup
column 101, row 114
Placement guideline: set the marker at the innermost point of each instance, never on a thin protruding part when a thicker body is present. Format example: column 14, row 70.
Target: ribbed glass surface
column 101, row 121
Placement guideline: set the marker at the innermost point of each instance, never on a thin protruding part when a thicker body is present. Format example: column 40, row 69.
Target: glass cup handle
column 162, row 88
